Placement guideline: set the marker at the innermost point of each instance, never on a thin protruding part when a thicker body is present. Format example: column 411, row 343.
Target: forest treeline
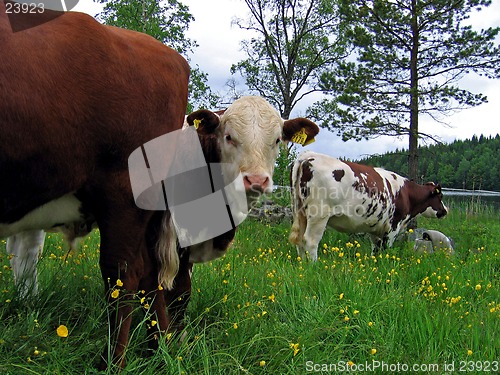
column 464, row 164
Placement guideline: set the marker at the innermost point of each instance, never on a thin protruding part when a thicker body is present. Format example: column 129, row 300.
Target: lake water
column 472, row 197
column 451, row 197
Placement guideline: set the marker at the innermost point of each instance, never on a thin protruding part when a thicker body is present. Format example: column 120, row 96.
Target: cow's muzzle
column 258, row 183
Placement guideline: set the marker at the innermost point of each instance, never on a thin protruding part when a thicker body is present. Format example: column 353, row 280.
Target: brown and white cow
column 354, row 198
column 245, row 139
column 76, row 98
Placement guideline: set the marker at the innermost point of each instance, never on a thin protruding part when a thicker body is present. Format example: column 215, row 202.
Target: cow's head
column 248, row 134
column 435, row 206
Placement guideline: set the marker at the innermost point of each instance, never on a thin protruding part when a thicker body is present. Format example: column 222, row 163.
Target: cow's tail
column 166, row 252
column 299, row 218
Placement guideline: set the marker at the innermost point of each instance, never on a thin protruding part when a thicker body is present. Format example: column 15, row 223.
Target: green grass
column 260, row 310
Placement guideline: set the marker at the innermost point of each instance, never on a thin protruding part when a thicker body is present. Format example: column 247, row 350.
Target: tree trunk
column 287, row 107
column 413, row 133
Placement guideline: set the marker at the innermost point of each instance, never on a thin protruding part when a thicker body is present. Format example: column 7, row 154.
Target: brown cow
column 97, row 119
column 76, row 98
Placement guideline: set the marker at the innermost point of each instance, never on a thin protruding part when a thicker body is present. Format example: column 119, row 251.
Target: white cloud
column 88, row 6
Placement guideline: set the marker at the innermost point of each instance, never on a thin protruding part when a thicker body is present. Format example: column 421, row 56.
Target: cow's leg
column 152, row 299
column 378, row 244
column 313, row 234
column 125, row 256
column 120, row 267
column 296, row 236
column 157, row 315
column 25, row 249
column 177, row 299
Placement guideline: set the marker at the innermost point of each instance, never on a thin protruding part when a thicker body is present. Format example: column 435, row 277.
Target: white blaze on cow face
column 249, row 135
column 432, row 213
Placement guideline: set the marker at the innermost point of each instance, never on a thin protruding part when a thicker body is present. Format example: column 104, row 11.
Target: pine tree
column 410, row 56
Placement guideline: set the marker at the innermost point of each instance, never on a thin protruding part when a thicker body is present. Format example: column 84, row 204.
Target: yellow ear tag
column 300, row 137
column 438, row 191
column 312, row 140
column 196, row 123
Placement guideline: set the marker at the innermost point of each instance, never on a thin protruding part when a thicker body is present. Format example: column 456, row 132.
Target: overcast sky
column 219, row 48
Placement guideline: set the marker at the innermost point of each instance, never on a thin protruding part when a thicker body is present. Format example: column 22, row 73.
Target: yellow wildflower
column 62, row 331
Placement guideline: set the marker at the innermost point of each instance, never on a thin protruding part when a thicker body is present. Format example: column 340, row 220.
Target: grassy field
column 260, row 310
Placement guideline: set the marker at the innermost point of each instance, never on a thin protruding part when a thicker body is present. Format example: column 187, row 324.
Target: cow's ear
column 300, row 130
column 204, row 121
column 437, row 189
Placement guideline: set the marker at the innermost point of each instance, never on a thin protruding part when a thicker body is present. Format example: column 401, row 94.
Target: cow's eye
column 229, row 139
